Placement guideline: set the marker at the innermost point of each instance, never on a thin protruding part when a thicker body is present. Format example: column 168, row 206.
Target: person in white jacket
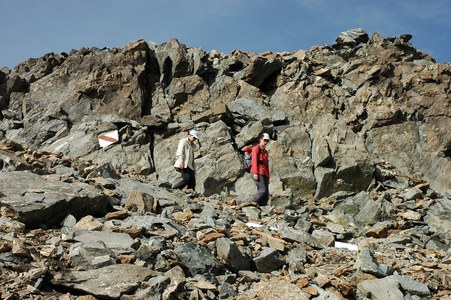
column 185, row 161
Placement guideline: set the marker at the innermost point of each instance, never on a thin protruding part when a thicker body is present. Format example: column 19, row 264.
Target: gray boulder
column 197, row 259
column 268, row 260
column 352, row 37
column 42, row 202
column 228, row 252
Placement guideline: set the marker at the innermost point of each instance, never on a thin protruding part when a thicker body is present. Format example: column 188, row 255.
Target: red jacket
column 260, row 163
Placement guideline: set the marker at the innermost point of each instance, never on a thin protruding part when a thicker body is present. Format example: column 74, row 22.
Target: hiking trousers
column 262, row 196
column 188, row 179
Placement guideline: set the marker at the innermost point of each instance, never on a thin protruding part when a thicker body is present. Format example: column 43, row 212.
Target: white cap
column 194, row 133
column 265, row 136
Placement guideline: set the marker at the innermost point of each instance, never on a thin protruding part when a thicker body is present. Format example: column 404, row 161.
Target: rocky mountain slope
column 359, row 158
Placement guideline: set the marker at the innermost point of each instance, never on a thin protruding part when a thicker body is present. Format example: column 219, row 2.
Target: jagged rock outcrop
column 358, row 102
column 359, row 154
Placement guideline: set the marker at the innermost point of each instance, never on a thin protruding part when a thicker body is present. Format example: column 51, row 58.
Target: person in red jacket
column 260, row 170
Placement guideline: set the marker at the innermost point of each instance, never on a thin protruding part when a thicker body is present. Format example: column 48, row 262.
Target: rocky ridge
column 359, row 159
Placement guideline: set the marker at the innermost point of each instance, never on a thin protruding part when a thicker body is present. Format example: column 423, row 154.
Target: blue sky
column 32, row 28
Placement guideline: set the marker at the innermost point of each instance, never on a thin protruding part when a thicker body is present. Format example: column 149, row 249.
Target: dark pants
column 262, row 195
column 188, row 180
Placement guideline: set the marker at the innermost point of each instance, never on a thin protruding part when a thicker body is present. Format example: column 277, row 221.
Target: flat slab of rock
column 116, row 241
column 110, row 282
column 46, row 202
